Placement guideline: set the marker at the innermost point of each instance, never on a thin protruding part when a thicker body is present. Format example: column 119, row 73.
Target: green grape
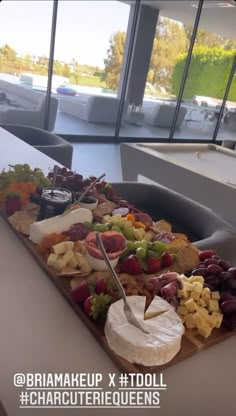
column 141, row 252
column 151, row 253
column 118, row 224
column 159, row 247
column 89, row 225
column 128, row 233
column 18, row 167
column 26, row 167
column 131, row 246
column 99, row 227
column 142, row 244
column 117, row 229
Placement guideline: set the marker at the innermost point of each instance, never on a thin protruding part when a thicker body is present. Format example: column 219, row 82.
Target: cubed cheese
column 218, row 318
column 51, row 259
column 182, row 301
column 187, row 286
column 205, row 331
column 181, row 310
column 215, row 295
column 189, row 322
column 199, row 279
column 213, row 306
column 72, row 262
column 59, row 264
column 208, row 318
column 190, row 305
column 201, row 302
column 197, row 287
column 206, row 294
column 198, row 320
column 182, row 293
column 195, row 295
column 69, row 245
column 59, row 248
column 68, row 256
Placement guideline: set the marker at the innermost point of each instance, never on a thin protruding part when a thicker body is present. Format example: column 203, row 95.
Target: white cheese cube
column 69, row 245
column 68, row 256
column 59, row 248
column 51, row 259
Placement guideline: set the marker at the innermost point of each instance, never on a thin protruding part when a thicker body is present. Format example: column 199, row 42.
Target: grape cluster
column 217, row 273
column 75, row 182
column 22, row 173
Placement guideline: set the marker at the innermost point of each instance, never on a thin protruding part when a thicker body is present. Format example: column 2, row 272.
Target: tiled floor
column 66, row 124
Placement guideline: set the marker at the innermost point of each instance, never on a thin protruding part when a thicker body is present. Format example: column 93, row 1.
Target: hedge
column 208, row 73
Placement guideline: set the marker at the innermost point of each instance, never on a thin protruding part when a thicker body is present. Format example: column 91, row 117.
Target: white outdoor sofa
column 95, row 109
column 162, row 115
column 25, row 106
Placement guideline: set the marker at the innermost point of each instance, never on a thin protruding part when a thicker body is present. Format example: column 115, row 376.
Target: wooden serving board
column 192, row 342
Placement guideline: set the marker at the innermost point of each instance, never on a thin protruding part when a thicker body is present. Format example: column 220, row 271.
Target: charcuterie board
column 192, row 342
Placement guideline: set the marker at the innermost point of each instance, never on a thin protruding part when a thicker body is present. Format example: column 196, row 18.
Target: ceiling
column 217, row 16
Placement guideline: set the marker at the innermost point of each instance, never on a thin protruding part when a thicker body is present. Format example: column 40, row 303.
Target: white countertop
column 41, row 333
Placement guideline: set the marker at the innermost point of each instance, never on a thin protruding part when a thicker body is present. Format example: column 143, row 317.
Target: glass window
column 209, row 70
column 89, row 51
column 162, row 36
column 24, row 50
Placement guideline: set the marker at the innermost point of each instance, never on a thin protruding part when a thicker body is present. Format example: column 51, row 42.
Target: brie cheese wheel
column 157, row 347
column 58, row 224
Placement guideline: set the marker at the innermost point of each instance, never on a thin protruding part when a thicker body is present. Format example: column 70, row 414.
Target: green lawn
column 91, row 82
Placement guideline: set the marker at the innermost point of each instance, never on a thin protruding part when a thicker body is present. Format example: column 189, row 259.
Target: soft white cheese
column 157, row 347
column 58, row 224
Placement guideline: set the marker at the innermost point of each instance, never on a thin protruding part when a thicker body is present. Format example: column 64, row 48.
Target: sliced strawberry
column 166, row 259
column 153, row 265
column 80, row 293
column 131, row 265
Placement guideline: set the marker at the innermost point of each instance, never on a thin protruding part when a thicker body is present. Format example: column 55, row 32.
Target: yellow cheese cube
column 59, row 248
column 182, row 293
column 218, row 318
column 182, row 301
column 59, row 264
column 190, row 305
column 197, row 287
column 72, row 262
column 208, row 318
column 191, row 279
column 187, row 286
column 198, row 320
column 189, row 322
column 51, row 259
column 69, row 245
column 201, row 302
column 199, row 279
column 215, row 295
column 181, row 310
column 213, row 306
column 206, row 294
column 68, row 256
column 195, row 295
column 205, row 331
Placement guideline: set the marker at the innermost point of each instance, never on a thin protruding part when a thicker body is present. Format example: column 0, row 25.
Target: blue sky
column 83, row 27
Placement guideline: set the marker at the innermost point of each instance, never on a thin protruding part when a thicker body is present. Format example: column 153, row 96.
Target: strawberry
column 88, row 305
column 131, row 265
column 101, row 286
column 96, row 306
column 12, row 203
column 206, row 254
column 153, row 265
column 166, row 259
column 80, row 293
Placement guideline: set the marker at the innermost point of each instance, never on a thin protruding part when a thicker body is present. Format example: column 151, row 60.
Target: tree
column 170, row 40
column 114, row 59
column 7, row 54
column 209, row 39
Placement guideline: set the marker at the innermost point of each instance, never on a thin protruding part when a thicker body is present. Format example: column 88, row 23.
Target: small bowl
column 100, row 265
column 89, row 202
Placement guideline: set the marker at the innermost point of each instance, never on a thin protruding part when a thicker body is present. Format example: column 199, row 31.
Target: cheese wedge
column 58, row 224
column 163, row 340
